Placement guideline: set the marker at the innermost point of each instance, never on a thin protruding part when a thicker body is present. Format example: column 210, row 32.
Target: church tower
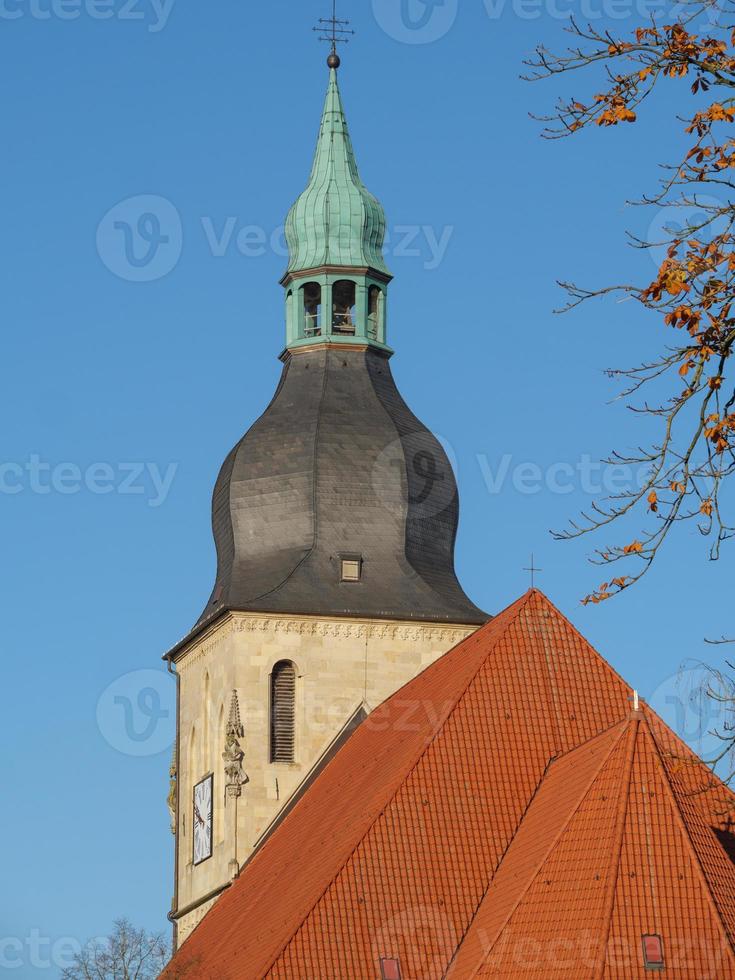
column 335, row 520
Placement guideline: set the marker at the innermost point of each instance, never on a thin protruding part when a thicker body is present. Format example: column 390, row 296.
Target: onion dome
column 336, row 221
column 338, row 501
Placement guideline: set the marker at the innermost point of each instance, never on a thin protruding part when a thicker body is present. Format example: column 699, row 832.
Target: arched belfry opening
column 376, row 326
column 283, row 712
column 344, row 293
column 312, row 325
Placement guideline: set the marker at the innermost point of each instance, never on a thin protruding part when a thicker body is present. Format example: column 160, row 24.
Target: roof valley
column 687, row 835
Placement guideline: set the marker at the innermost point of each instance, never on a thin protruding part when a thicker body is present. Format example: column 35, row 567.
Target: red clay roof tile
column 446, row 813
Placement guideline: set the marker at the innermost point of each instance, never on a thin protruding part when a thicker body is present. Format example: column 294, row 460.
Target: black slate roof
column 338, row 466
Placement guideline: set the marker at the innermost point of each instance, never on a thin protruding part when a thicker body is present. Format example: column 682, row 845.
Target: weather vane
column 533, row 570
column 335, row 32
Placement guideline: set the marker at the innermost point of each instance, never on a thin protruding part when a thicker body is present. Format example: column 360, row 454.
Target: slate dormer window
column 351, row 568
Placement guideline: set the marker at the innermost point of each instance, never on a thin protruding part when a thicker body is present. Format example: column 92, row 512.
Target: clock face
column 202, row 820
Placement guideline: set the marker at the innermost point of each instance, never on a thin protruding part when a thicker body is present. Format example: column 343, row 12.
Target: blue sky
column 121, row 397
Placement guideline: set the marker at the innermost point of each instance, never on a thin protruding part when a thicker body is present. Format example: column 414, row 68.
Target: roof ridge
column 665, row 778
column 542, row 595
column 511, row 612
column 580, row 745
column 717, row 783
column 622, row 817
column 537, row 629
column 548, row 850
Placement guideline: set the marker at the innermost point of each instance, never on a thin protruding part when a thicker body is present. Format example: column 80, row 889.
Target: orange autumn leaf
column 720, row 113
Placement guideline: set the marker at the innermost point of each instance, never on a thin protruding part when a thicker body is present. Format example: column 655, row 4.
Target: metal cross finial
column 533, row 570
column 335, row 32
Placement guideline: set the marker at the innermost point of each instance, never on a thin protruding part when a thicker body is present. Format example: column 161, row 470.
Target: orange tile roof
column 500, row 816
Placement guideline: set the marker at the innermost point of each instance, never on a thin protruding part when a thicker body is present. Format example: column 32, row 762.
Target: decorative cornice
column 308, row 626
column 354, row 630
column 337, row 270
column 204, row 646
column 303, row 347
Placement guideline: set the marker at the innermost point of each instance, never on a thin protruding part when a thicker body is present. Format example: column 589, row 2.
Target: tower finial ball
column 334, row 60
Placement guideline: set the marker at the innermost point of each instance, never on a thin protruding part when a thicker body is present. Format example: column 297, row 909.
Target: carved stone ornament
column 235, row 776
column 171, row 800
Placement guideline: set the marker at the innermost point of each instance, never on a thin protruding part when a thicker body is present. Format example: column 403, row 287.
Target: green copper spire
column 336, row 221
column 337, row 281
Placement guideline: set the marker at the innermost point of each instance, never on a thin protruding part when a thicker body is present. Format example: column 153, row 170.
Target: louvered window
column 283, row 712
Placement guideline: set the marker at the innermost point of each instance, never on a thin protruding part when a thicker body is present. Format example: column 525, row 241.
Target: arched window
column 289, row 312
column 312, row 309
column 343, row 307
column 283, row 712
column 375, row 313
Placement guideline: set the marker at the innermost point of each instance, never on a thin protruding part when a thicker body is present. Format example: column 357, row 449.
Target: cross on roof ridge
column 533, row 570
